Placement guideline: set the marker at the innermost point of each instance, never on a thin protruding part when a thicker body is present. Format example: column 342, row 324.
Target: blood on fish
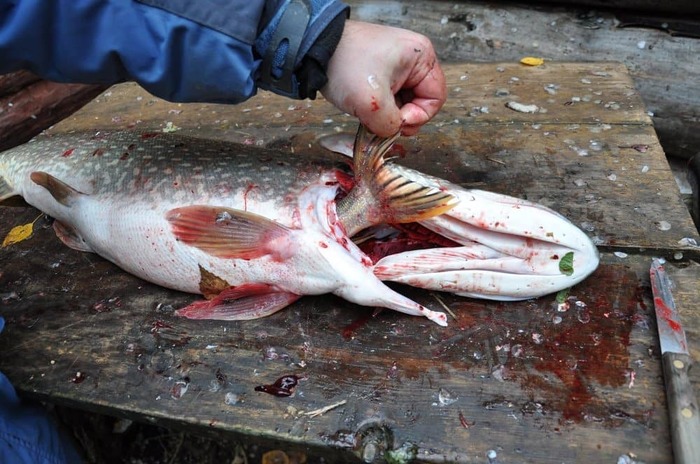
column 149, row 135
column 345, row 180
column 377, row 250
column 418, row 232
column 412, row 236
column 375, row 105
column 248, row 189
column 398, row 150
column 68, row 152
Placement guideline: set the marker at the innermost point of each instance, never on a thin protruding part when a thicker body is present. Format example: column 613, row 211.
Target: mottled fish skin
column 122, row 186
column 168, row 168
column 130, row 180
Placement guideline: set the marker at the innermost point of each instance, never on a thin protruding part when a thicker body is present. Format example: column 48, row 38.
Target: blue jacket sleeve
column 179, row 50
column 27, row 434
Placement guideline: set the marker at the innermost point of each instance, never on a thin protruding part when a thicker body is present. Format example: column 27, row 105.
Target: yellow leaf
column 19, row 233
column 532, row 61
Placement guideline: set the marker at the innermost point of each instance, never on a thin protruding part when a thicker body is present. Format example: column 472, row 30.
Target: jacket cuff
column 296, row 47
column 312, row 72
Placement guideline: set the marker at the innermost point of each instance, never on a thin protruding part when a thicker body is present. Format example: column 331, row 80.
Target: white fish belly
column 138, row 238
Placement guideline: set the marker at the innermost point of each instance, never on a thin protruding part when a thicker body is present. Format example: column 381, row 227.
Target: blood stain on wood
column 283, row 387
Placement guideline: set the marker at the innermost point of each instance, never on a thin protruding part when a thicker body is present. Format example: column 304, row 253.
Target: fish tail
column 385, row 192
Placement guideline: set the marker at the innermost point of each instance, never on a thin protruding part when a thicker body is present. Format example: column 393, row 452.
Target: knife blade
column 684, row 414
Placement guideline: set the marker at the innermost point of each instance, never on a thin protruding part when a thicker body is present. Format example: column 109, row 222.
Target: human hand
column 388, row 77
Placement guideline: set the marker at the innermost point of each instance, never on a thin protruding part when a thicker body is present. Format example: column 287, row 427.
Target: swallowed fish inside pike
column 251, row 229
column 490, row 246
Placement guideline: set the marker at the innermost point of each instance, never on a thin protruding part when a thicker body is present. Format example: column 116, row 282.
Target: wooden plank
column 16, row 81
column 525, row 380
column 38, row 105
column 686, row 8
column 685, row 277
column 532, row 383
column 566, row 93
column 663, row 67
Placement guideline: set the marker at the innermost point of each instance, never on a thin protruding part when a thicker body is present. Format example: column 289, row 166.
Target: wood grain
column 529, row 382
column 30, row 105
column 533, row 383
column 663, row 67
column 13, row 82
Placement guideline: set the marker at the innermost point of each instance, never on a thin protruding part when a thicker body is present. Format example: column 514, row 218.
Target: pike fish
column 251, row 229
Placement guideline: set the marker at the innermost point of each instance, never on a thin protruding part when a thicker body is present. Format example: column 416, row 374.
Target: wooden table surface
column 504, row 382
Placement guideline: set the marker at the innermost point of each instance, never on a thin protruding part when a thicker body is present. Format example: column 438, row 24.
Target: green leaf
column 562, row 295
column 566, row 264
column 404, row 455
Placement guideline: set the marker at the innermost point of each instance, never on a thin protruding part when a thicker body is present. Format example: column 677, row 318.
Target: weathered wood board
column 28, row 105
column 534, row 384
column 523, row 380
column 664, row 67
column 686, row 8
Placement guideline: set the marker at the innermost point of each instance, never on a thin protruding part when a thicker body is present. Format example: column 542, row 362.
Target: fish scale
column 128, row 156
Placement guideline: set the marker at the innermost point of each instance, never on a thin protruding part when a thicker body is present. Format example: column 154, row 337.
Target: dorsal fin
column 383, row 192
column 59, row 190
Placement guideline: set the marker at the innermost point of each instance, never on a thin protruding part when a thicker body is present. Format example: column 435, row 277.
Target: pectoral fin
column 230, row 233
column 339, row 143
column 59, row 190
column 241, row 303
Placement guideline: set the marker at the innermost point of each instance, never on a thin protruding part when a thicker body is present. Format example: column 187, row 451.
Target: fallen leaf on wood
column 19, row 233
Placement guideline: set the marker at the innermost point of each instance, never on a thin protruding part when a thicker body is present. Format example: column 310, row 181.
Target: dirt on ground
column 104, row 439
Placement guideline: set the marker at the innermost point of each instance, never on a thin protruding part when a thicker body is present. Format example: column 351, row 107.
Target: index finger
column 428, row 96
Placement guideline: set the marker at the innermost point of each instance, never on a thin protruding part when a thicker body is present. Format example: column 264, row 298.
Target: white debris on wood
column 663, row 225
column 325, row 409
column 521, row 108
